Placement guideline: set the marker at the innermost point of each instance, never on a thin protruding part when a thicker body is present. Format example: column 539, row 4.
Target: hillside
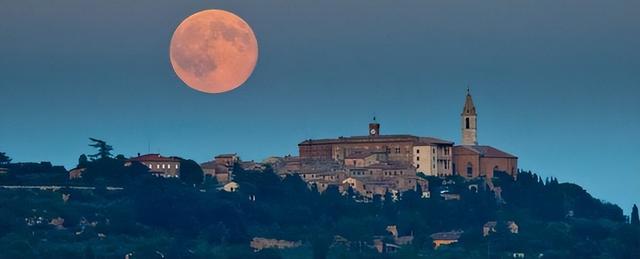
column 153, row 217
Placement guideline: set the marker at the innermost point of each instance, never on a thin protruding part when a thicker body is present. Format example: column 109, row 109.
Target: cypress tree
column 634, row 216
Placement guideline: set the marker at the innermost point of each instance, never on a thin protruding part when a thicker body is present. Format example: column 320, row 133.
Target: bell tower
column 374, row 128
column 469, row 119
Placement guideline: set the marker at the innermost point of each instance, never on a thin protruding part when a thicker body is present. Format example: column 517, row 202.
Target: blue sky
column 555, row 82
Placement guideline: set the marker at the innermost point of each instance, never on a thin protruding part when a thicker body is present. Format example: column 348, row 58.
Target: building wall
column 484, row 166
column 316, row 151
column 423, row 159
column 469, row 135
column 396, row 150
column 488, row 165
column 434, row 160
column 462, row 161
column 169, row 169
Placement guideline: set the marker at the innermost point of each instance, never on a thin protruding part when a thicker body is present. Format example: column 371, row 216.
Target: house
column 231, row 187
column 76, row 173
column 490, row 227
column 259, row 243
column 446, row 238
column 158, row 165
column 226, row 159
column 220, row 172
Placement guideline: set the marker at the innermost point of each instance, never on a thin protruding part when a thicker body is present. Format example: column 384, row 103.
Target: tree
column 634, row 216
column 104, row 150
column 83, row 160
column 4, row 159
column 190, row 172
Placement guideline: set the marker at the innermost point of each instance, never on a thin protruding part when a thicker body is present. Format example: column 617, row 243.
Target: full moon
column 213, row 51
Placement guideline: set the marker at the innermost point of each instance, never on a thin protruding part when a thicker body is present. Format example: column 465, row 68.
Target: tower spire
column 469, row 121
column 469, row 107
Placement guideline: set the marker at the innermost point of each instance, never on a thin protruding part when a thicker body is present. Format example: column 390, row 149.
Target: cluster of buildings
column 376, row 163
column 371, row 164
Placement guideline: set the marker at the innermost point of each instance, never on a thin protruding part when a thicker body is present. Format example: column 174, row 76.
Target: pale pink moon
column 213, row 51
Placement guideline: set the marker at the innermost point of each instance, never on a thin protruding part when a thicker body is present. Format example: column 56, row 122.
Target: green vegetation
column 4, row 159
column 186, row 218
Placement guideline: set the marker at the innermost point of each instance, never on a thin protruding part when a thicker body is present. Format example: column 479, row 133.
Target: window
column 417, row 151
column 417, row 158
column 433, row 150
column 466, row 122
column 469, row 170
column 397, row 150
column 162, row 166
column 417, row 165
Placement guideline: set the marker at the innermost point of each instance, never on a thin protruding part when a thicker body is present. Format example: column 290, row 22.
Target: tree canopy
column 104, row 150
column 4, row 159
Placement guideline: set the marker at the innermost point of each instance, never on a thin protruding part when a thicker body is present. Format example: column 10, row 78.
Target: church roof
column 487, row 151
column 469, row 108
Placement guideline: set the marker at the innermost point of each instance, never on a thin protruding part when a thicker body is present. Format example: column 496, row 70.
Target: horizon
column 557, row 88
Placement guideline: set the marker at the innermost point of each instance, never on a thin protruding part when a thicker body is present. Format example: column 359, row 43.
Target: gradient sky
column 555, row 82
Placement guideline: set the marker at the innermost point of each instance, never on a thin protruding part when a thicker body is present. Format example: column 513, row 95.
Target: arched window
column 469, row 170
column 466, row 122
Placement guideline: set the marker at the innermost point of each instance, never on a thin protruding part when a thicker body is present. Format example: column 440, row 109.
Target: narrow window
column 467, row 122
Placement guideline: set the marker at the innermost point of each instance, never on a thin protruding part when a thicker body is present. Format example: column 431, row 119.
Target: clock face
column 373, row 131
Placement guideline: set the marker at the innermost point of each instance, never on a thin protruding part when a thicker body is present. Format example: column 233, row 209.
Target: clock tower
column 374, row 128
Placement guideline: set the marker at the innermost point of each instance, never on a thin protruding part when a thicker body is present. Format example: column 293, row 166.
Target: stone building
column 471, row 160
column 431, row 156
column 218, row 171
column 159, row 165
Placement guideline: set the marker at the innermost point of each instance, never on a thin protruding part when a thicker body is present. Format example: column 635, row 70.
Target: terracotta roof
column 387, row 166
column 451, row 235
column 208, row 165
column 488, row 151
column 226, row 156
column 154, row 158
column 378, row 138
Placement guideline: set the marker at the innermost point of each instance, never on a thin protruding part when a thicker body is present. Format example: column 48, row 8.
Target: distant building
column 159, row 165
column 471, row 160
column 445, row 238
column 231, row 187
column 76, row 173
column 226, row 159
column 259, row 243
column 490, row 227
column 220, row 172
column 430, row 156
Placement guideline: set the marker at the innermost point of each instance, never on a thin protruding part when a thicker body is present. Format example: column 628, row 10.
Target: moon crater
column 213, row 51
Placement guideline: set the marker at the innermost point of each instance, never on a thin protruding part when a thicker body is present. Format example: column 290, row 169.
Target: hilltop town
column 368, row 196
column 371, row 164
